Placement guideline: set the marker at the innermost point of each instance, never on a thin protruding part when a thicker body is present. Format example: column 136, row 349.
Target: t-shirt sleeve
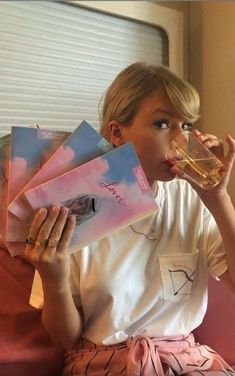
column 216, row 256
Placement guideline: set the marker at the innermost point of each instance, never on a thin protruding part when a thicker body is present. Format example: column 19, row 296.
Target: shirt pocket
column 178, row 272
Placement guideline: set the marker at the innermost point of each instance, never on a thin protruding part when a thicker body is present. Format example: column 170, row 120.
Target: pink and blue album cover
column 30, row 149
column 105, row 195
column 84, row 144
column 13, row 248
column 5, row 151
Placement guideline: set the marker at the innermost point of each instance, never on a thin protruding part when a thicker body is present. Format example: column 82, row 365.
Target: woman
column 126, row 305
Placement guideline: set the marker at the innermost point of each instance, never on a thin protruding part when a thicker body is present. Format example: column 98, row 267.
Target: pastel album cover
column 5, row 143
column 15, row 249
column 84, row 144
column 20, row 232
column 105, row 194
column 30, row 148
column 16, row 230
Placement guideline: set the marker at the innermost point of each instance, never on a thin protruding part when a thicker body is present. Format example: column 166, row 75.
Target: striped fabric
column 146, row 357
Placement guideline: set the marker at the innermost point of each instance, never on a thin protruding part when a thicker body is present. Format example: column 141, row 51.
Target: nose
column 176, row 131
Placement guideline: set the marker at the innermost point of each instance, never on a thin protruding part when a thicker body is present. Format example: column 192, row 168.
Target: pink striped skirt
column 146, row 357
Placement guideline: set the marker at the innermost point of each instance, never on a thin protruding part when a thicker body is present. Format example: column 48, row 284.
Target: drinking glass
column 190, row 155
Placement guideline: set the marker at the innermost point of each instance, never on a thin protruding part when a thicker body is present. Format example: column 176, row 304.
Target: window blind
column 57, row 59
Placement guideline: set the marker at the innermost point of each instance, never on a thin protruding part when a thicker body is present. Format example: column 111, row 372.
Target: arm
column 220, row 205
column 218, row 201
column 224, row 214
column 60, row 317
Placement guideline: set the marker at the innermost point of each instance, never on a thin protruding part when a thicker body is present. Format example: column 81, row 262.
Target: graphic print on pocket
column 178, row 273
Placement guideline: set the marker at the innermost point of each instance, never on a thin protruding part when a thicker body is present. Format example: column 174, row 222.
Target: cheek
column 144, row 152
column 149, row 155
column 151, row 151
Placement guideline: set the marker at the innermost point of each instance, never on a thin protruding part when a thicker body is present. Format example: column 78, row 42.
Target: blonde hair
column 135, row 83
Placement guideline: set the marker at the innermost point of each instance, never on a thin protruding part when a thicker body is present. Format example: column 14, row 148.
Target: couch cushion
column 25, row 347
column 218, row 327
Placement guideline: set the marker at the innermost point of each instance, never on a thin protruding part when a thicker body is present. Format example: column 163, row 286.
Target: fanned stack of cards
column 105, row 188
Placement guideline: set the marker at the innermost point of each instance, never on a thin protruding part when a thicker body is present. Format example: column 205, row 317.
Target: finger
column 211, row 142
column 45, row 230
column 57, row 229
column 229, row 158
column 38, row 220
column 196, row 132
column 47, row 225
column 201, row 136
column 231, row 143
column 207, row 138
column 67, row 234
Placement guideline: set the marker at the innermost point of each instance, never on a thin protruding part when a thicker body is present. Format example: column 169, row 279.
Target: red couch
column 218, row 327
column 25, row 348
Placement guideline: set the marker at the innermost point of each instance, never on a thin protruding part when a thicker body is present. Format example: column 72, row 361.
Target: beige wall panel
column 183, row 8
column 212, row 66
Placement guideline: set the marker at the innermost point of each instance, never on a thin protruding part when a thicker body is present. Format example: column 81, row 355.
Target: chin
column 162, row 174
column 166, row 174
column 164, row 177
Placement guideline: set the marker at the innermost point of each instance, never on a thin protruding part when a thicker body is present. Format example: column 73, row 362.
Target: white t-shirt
column 129, row 285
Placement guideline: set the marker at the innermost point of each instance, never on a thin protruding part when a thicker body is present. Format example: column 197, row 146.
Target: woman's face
column 151, row 131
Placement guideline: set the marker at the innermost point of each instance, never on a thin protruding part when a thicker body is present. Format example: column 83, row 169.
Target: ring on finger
column 37, row 243
column 52, row 243
column 29, row 240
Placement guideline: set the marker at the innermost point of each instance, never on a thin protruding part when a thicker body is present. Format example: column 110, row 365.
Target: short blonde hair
column 135, row 83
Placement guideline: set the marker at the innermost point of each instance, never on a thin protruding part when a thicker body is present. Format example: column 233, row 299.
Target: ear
column 117, row 133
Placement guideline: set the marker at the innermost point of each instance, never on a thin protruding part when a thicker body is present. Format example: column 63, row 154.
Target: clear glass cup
column 196, row 160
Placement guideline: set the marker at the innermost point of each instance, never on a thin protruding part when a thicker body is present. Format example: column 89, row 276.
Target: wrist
column 56, row 288
column 218, row 202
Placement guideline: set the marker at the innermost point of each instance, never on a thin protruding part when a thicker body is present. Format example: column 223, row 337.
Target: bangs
column 185, row 100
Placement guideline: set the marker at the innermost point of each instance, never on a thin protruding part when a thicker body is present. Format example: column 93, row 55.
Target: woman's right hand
column 47, row 245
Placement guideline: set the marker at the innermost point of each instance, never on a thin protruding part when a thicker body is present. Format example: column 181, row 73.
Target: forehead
column 157, row 102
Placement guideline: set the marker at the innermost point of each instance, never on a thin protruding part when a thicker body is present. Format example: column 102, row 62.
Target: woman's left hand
column 216, row 146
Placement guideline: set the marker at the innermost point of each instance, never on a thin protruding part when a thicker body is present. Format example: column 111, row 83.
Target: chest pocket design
column 178, row 272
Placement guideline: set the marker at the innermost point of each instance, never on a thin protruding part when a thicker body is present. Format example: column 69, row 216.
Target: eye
column 162, row 124
column 187, row 126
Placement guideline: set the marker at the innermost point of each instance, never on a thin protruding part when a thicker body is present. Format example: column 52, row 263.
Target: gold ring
column 29, row 240
column 37, row 243
column 52, row 243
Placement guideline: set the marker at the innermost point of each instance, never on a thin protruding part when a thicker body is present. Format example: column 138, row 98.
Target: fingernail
column 55, row 209
column 64, row 210
column 72, row 218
